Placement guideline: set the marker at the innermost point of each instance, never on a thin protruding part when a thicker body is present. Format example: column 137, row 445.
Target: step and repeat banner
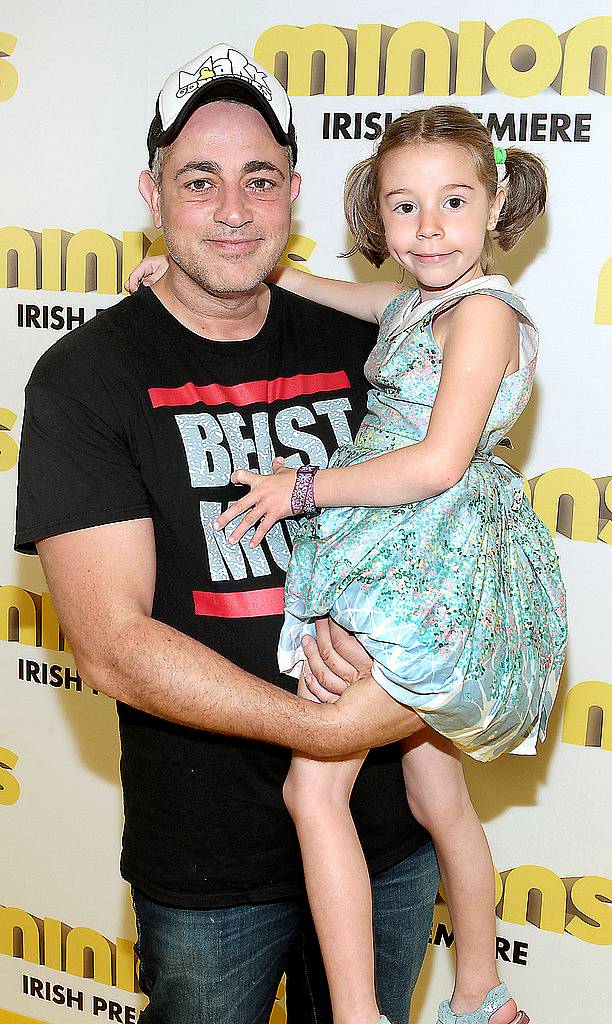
column 78, row 83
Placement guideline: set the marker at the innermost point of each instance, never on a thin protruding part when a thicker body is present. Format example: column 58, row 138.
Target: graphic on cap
column 235, row 64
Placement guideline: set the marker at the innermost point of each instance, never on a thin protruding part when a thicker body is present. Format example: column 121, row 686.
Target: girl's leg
column 317, row 796
column 439, row 799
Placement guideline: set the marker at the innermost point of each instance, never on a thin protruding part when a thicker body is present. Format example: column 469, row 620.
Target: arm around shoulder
column 364, row 301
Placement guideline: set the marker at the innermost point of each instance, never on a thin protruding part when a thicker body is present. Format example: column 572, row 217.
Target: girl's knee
column 309, row 796
column 300, row 796
column 438, row 809
column 435, row 784
column 293, row 794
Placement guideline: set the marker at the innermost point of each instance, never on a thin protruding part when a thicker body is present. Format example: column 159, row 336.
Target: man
column 140, row 416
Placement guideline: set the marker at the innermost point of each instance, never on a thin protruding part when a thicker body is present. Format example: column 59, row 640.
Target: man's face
column 225, row 199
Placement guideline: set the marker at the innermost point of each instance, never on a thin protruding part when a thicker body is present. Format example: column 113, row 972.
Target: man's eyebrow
column 207, row 166
column 210, row 167
column 261, row 165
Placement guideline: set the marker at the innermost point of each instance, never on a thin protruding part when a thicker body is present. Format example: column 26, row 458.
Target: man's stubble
column 209, row 275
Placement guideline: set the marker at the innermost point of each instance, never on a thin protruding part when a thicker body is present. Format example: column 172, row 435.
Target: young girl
column 425, row 546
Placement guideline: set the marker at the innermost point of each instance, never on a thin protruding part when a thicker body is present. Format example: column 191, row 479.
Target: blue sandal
column 493, row 1001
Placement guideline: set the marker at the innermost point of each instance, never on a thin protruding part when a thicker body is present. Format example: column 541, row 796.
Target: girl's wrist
column 323, row 492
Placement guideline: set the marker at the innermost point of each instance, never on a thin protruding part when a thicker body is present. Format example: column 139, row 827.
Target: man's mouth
column 233, row 245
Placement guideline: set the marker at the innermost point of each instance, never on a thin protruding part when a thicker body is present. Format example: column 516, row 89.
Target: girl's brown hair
column 525, row 181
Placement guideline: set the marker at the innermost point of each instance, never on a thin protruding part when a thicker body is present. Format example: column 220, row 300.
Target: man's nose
column 233, row 208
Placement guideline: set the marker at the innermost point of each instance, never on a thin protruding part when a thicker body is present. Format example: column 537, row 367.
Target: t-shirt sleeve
column 77, row 468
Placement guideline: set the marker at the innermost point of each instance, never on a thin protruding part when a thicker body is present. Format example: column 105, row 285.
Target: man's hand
column 339, row 673
column 366, row 716
column 335, row 660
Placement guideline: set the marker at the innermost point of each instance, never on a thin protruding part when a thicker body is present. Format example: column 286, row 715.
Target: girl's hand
column 149, row 270
column 269, row 500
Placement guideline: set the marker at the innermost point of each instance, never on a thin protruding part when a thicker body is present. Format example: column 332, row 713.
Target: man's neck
column 232, row 316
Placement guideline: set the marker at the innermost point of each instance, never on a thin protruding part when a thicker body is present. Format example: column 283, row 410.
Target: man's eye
column 198, row 185
column 261, row 184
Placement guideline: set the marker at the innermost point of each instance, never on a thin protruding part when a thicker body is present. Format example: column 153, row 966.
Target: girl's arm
column 149, row 271
column 480, row 342
column 364, row 301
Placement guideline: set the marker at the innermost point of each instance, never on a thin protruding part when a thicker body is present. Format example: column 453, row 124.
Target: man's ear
column 151, row 195
column 295, row 185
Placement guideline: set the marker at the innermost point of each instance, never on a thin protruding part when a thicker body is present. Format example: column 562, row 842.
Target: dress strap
column 414, row 312
column 403, row 302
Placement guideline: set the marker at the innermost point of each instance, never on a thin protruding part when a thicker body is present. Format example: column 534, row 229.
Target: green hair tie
column 500, row 154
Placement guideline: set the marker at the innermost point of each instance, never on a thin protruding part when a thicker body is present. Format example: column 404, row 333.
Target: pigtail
column 362, row 212
column 526, row 198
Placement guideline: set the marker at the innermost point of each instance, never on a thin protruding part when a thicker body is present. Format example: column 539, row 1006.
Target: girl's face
column 436, row 213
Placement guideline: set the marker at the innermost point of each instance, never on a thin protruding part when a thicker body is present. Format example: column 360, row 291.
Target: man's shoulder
column 92, row 349
column 343, row 324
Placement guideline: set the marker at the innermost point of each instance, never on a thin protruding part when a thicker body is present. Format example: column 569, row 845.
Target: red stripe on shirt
column 244, row 605
column 265, row 391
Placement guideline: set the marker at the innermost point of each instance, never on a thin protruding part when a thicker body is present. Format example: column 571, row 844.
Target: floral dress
column 458, row 597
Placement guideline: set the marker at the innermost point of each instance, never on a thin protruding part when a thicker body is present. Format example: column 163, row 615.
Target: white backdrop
column 78, row 84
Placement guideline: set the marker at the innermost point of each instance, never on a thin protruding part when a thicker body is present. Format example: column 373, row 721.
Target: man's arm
column 102, row 583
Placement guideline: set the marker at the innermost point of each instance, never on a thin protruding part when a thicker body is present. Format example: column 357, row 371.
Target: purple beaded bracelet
column 302, row 498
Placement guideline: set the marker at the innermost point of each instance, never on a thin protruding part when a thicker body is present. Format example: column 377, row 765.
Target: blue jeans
column 224, row 966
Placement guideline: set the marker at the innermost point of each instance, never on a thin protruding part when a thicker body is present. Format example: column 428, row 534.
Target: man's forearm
column 158, row 669
column 166, row 673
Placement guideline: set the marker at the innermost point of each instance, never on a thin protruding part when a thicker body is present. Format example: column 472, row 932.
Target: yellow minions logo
column 8, row 446
column 603, row 310
column 83, row 952
column 522, row 58
column 587, row 715
column 9, row 78
column 9, row 786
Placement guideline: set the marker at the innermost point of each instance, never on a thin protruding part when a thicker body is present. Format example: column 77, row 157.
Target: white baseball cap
column 222, row 72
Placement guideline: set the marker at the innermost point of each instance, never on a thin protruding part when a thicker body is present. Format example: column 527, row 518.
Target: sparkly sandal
column 493, row 1001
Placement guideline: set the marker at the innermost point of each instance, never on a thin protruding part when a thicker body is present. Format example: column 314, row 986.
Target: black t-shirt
column 133, row 416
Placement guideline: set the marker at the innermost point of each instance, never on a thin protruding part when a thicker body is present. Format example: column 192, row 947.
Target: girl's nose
column 429, row 226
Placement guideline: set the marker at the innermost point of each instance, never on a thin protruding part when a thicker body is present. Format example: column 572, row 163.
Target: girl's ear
column 496, row 208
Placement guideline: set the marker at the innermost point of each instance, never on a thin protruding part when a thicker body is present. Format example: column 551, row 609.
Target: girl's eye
column 405, row 208
column 455, row 202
